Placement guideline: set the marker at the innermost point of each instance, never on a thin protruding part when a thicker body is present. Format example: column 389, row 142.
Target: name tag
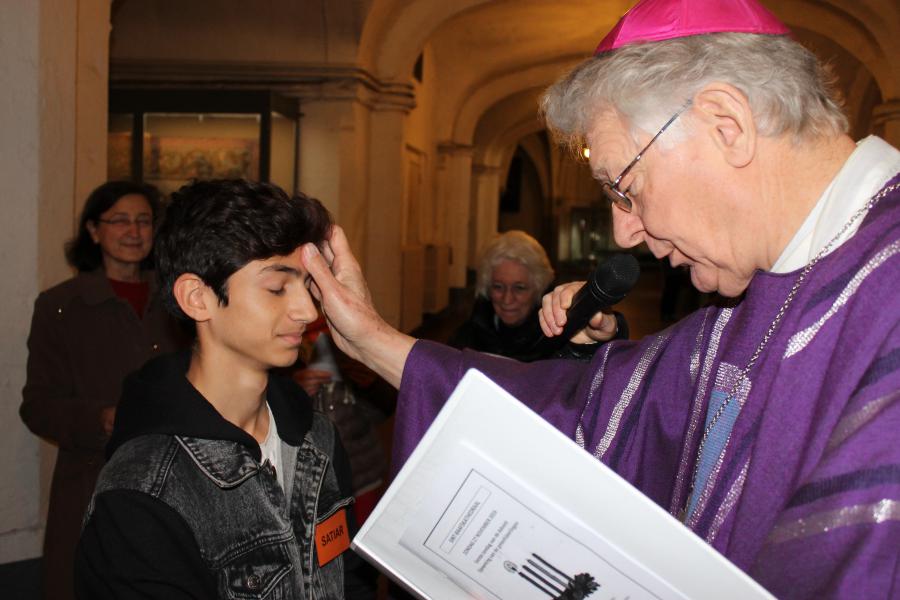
column 332, row 537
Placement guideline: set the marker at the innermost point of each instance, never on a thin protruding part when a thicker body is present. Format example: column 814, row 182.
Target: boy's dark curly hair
column 214, row 228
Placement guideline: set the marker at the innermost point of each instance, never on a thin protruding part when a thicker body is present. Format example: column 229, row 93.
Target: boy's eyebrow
column 280, row 269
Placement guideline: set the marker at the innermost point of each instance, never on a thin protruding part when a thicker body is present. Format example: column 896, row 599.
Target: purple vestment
column 805, row 495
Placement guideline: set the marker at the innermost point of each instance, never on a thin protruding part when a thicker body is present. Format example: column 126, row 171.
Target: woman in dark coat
column 513, row 273
column 87, row 333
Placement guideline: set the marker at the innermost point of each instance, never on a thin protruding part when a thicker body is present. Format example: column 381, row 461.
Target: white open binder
column 495, row 503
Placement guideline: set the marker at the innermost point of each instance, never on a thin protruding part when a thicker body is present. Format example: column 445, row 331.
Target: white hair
column 789, row 91
column 519, row 247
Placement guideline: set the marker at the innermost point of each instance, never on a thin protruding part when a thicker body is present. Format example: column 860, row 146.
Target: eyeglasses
column 517, row 289
column 125, row 222
column 611, row 190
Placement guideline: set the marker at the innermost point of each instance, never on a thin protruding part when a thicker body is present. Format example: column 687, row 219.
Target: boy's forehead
column 290, row 263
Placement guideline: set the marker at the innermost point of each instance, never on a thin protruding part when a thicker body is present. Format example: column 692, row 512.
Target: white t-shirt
column 271, row 448
column 872, row 164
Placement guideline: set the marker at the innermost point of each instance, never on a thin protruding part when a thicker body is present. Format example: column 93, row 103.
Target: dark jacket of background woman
column 485, row 332
column 83, row 341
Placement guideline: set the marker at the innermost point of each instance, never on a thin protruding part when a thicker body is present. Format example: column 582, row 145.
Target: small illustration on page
column 553, row 582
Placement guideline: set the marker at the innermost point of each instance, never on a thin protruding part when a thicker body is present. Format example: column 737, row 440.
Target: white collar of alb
column 867, row 170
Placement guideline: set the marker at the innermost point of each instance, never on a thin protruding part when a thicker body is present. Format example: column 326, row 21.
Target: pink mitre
column 657, row 20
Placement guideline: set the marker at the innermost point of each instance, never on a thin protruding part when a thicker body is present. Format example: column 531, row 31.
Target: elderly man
column 769, row 425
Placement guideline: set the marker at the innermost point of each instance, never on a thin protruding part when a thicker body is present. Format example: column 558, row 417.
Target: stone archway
column 395, row 32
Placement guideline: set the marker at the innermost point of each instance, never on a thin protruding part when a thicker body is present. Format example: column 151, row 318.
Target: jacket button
column 253, row 582
column 156, row 346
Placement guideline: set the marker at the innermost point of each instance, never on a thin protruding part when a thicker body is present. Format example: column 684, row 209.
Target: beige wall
column 20, row 527
column 53, row 119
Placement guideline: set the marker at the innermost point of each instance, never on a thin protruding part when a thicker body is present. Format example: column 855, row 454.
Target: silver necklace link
column 774, row 325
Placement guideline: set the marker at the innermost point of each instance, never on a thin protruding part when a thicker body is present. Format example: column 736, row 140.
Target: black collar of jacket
column 159, row 399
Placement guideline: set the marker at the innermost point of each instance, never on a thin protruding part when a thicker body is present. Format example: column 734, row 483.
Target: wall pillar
column 886, row 121
column 352, row 157
column 383, row 264
column 454, row 190
column 53, row 118
column 334, row 165
column 486, row 206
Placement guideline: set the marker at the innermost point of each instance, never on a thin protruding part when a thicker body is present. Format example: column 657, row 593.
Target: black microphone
column 607, row 285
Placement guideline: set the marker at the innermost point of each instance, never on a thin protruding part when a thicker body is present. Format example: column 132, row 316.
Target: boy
column 221, row 481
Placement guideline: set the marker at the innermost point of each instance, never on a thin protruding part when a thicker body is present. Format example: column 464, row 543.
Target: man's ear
column 724, row 111
column 193, row 296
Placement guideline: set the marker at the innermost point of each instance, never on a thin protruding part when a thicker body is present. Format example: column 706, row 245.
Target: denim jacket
column 210, row 499
column 258, row 542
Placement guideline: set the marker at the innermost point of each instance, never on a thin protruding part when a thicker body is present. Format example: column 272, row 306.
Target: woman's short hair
column 516, row 246
column 789, row 90
column 81, row 251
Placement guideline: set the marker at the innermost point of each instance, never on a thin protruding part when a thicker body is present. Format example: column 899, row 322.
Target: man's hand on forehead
column 327, row 251
column 355, row 325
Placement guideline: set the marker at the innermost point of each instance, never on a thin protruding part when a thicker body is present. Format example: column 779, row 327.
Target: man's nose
column 628, row 229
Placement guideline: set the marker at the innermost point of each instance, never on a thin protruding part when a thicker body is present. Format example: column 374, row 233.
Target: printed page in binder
column 496, row 538
column 495, row 503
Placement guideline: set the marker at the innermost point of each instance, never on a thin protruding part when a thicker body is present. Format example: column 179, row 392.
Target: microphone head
column 613, row 279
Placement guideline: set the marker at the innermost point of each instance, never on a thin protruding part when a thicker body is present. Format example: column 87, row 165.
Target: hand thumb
column 318, row 269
